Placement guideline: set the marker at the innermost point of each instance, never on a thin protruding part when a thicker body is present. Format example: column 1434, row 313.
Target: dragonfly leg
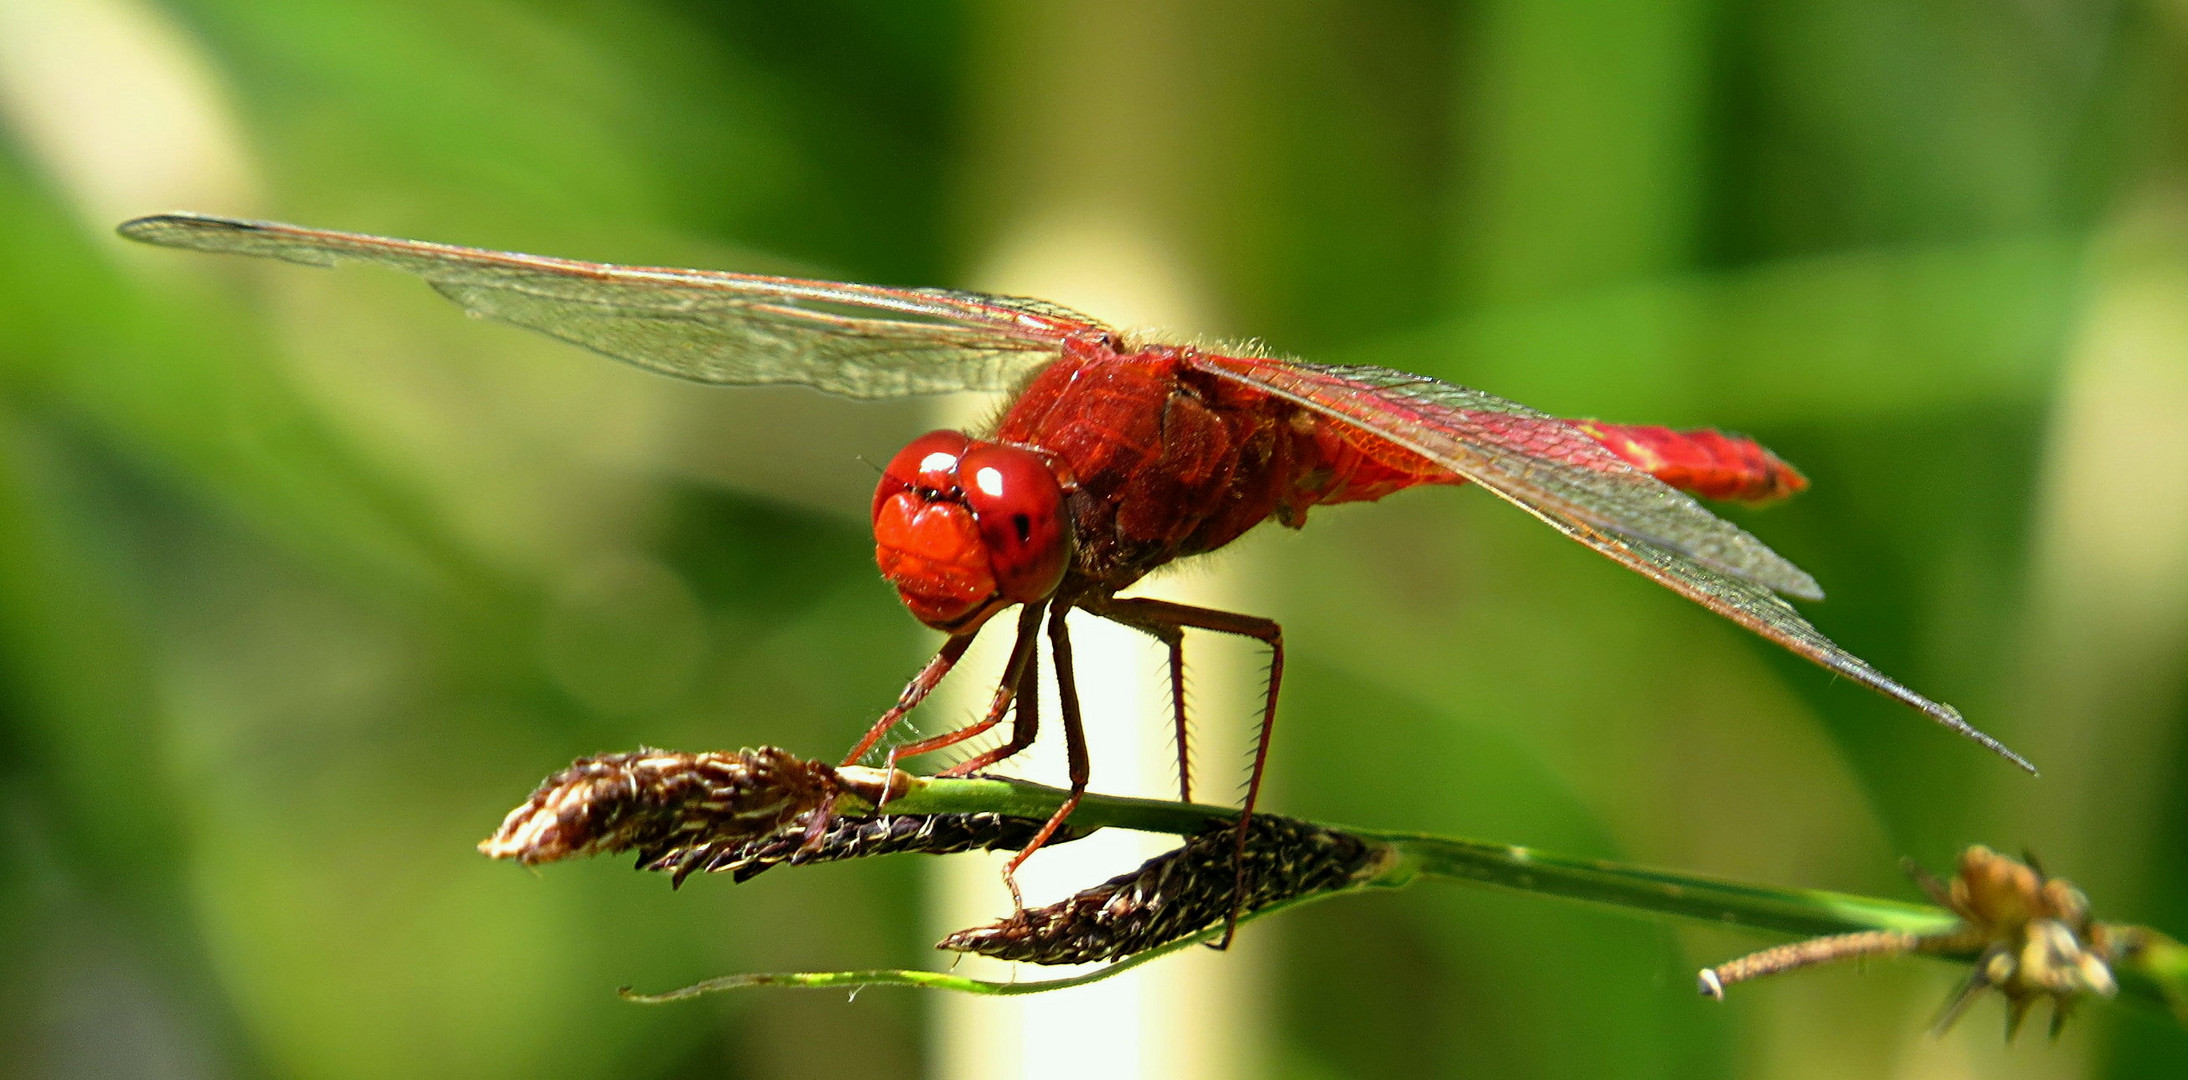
column 915, row 692
column 1173, row 639
column 1021, row 652
column 1067, row 694
column 1160, row 617
column 1176, row 642
column 1025, row 723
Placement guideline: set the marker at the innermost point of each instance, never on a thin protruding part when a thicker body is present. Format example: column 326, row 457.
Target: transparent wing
column 862, row 341
column 1554, row 471
column 1756, row 608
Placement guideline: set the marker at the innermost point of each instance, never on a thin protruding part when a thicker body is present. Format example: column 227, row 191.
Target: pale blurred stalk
column 2107, row 632
column 2109, row 627
column 121, row 108
column 1080, row 197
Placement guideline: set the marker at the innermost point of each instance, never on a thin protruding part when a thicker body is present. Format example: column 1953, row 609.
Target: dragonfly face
column 965, row 528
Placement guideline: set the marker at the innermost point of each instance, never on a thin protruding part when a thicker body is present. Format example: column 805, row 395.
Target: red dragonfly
column 1117, row 455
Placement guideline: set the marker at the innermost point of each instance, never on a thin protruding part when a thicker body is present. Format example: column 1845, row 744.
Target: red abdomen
column 1358, row 467
column 1708, row 463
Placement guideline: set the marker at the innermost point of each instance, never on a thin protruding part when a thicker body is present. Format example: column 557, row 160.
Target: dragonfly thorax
column 964, row 528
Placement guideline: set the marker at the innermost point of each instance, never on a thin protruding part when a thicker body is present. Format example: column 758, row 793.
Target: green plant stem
column 1016, row 798
column 1807, row 912
column 1792, row 911
column 2157, row 972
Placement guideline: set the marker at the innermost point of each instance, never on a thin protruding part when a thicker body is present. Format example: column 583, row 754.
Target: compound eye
column 929, row 462
column 1019, row 506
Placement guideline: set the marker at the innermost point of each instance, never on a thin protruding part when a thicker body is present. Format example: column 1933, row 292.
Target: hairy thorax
column 1165, row 461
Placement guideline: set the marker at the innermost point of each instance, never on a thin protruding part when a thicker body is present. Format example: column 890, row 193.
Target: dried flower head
column 2030, row 936
column 853, row 838
column 1180, row 893
column 656, row 801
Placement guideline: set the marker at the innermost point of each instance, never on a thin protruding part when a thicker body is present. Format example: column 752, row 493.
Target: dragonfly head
column 965, row 528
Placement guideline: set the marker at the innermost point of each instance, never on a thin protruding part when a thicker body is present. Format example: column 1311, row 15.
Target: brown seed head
column 853, row 838
column 1178, row 894
column 656, row 800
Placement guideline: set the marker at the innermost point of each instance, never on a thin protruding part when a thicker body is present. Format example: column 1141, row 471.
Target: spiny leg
column 1159, row 617
column 1177, row 713
column 1067, row 694
column 1021, row 652
column 1173, row 639
column 1176, row 643
column 915, row 692
column 1025, row 723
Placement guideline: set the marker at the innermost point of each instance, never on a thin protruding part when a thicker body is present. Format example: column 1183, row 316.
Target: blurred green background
column 305, row 579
